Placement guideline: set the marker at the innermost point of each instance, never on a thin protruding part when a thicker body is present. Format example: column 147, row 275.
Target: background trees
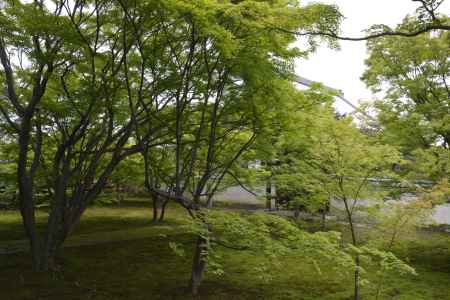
column 329, row 159
column 343, row 161
column 414, row 73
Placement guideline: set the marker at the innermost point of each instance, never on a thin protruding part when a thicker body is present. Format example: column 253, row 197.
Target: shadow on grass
column 144, row 267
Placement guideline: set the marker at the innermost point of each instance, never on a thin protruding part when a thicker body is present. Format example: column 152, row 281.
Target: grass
column 134, row 261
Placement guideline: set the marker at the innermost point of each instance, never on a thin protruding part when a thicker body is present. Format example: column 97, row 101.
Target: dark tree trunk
column 51, row 250
column 155, row 208
column 25, row 187
column 297, row 212
column 269, row 194
column 53, row 239
column 198, row 264
column 163, row 210
column 355, row 243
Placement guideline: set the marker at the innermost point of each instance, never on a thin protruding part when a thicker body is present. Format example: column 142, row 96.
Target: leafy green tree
column 67, row 105
column 339, row 160
column 394, row 222
column 228, row 71
column 415, row 112
column 428, row 16
column 264, row 234
column 285, row 142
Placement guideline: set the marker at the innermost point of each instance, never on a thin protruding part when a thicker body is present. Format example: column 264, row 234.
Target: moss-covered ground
column 117, row 253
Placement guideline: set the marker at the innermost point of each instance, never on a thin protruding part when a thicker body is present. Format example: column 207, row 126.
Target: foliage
column 269, row 235
column 129, row 246
column 415, row 113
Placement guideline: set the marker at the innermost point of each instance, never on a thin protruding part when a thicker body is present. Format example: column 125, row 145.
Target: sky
column 342, row 69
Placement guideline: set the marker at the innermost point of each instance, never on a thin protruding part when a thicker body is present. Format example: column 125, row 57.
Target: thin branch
column 5, row 114
column 426, row 28
column 10, row 83
column 241, row 184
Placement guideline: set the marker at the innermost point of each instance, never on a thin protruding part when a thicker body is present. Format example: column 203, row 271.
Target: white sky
column 342, row 69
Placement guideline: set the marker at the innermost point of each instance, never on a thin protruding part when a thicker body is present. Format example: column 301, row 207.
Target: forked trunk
column 60, row 225
column 57, row 232
column 44, row 257
column 48, row 256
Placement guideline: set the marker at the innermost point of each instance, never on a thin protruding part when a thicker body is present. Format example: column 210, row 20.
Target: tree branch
column 426, row 28
column 12, row 95
column 241, row 184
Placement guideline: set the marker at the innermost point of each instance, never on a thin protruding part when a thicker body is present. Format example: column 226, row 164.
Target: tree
column 68, row 108
column 394, row 221
column 415, row 112
column 427, row 13
column 227, row 74
column 340, row 160
column 284, row 143
column 265, row 234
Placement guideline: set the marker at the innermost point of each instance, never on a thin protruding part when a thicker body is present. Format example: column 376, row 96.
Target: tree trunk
column 269, row 194
column 355, row 243
column 55, row 234
column 155, row 208
column 163, row 210
column 49, row 252
column 297, row 212
column 25, row 187
column 210, row 203
column 35, row 244
column 119, row 196
column 357, row 295
column 198, row 264
column 323, row 220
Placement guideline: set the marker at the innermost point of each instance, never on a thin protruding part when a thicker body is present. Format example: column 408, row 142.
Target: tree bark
column 269, row 194
column 163, row 210
column 355, row 243
column 119, row 195
column 155, row 208
column 25, row 187
column 210, row 202
column 52, row 240
column 357, row 294
column 198, row 264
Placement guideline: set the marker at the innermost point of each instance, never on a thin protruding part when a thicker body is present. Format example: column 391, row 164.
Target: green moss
column 116, row 253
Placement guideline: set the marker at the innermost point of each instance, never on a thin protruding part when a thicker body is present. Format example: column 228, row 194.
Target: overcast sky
column 342, row 69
